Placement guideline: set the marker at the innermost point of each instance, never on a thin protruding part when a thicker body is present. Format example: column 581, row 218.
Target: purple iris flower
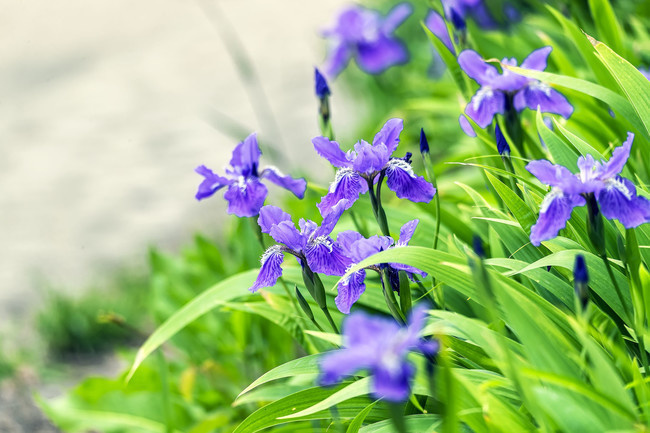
column 246, row 193
column 616, row 195
column 359, row 248
column 311, row 245
column 363, row 165
column 368, row 37
column 457, row 11
column 380, row 346
column 500, row 91
column 436, row 24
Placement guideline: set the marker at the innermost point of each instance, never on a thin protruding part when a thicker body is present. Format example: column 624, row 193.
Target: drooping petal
column 246, row 156
column 392, row 382
column 537, row 94
column 325, row 256
column 395, row 17
column 347, row 185
column 485, row 104
column 331, row 151
column 553, row 215
column 270, row 270
column 370, row 158
column 556, row 176
column 406, row 232
column 617, row 161
column 287, row 234
column 436, row 24
column 389, row 134
column 331, row 219
column 245, row 197
column 350, row 290
column 466, row 126
column 401, row 179
column 363, row 330
column 537, row 59
column 409, row 270
column 296, row 186
column 338, row 57
column 338, row 364
column 211, row 184
column 347, row 238
column 379, row 55
column 618, row 200
column 365, row 248
column 270, row 216
column 474, row 66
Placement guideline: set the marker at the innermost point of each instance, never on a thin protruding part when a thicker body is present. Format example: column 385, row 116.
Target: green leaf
column 516, row 205
column 358, row 420
column 423, row 423
column 267, row 416
column 296, row 367
column 355, row 389
column 215, row 296
column 635, row 86
column 607, row 25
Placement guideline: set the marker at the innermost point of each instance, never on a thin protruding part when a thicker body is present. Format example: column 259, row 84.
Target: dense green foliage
column 519, row 354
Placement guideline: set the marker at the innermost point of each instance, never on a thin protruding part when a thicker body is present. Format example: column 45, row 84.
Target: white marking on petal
column 322, row 240
column 401, row 164
column 340, row 174
column 618, row 185
column 275, row 249
column 548, row 199
column 483, row 93
column 538, row 85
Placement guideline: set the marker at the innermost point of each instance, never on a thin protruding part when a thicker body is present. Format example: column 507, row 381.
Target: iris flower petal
column 270, row 270
column 401, row 179
column 245, row 197
column 296, row 186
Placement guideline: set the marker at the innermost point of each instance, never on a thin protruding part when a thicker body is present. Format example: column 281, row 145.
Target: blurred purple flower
column 498, row 88
column 312, row 245
column 359, row 248
column 368, row 37
column 380, row 346
column 436, row 24
column 466, row 126
column 246, row 193
column 457, row 11
column 616, row 195
column 363, row 164
column 321, row 88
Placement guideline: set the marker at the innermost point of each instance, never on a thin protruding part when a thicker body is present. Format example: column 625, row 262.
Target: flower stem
column 389, row 297
column 329, row 319
column 375, row 200
column 397, row 415
column 618, row 289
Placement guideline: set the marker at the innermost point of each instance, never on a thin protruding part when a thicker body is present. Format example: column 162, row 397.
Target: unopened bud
column 424, row 143
column 581, row 281
column 502, row 145
column 304, row 304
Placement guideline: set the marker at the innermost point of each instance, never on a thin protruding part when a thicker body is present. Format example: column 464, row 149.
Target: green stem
column 389, row 297
column 618, row 289
column 329, row 319
column 397, row 415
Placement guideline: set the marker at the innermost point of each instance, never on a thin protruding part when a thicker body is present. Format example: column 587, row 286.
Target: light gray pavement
column 106, row 107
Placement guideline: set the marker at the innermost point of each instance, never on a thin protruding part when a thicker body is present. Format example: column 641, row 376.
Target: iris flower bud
column 581, row 281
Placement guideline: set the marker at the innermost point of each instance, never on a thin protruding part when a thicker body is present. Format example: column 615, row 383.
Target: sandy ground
column 106, row 107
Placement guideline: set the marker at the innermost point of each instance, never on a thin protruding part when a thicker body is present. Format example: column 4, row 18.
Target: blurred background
column 106, row 108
